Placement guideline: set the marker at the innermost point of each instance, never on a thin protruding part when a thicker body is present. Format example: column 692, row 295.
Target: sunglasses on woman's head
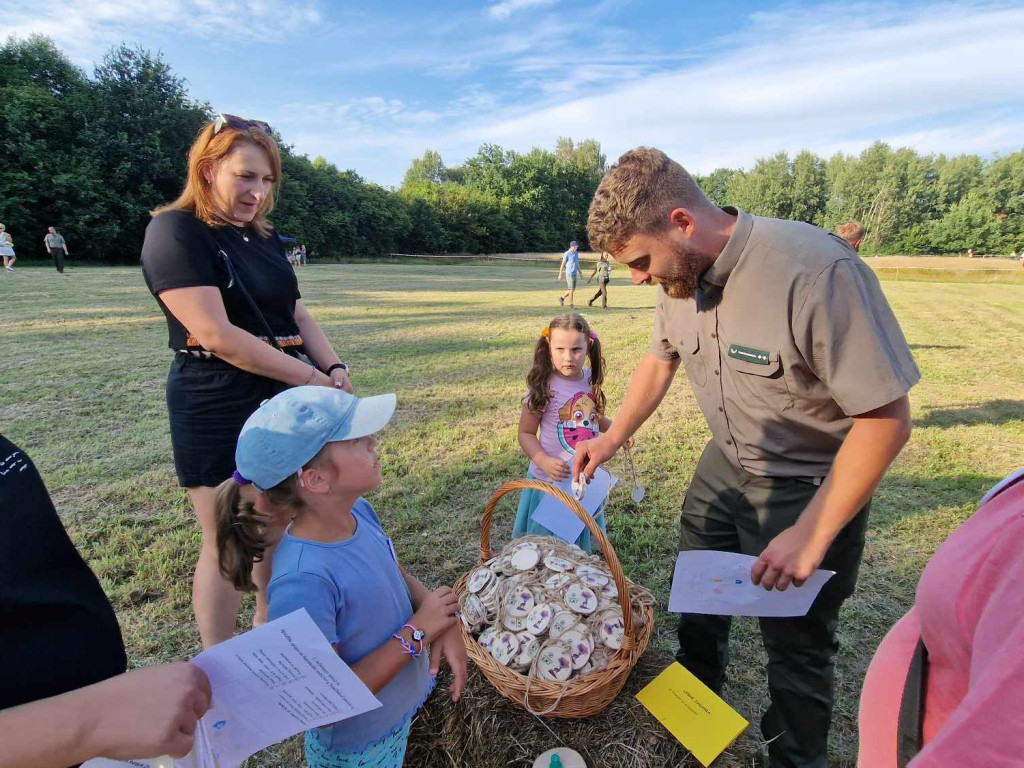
column 238, row 123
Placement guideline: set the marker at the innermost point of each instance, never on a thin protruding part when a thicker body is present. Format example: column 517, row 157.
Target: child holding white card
column 310, row 451
column 565, row 405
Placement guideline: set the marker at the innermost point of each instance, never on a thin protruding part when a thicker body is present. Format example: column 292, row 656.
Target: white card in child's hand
column 562, row 521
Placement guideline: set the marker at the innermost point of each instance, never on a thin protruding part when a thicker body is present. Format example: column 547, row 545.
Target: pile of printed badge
column 546, row 609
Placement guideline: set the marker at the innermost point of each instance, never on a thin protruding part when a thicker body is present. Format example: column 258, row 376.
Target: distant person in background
column 57, row 247
column 7, row 249
column 570, row 268
column 852, row 232
column 603, row 270
column 945, row 688
column 970, row 253
column 302, row 254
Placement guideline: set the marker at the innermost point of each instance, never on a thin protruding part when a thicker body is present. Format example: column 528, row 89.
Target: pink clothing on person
column 970, row 611
column 570, row 417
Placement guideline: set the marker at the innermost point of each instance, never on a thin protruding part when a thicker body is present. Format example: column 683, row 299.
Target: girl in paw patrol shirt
column 563, row 407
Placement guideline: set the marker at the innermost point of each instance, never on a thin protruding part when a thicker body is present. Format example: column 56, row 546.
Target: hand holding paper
column 719, row 583
column 591, row 454
column 562, row 521
column 157, row 710
column 268, row 684
column 790, row 557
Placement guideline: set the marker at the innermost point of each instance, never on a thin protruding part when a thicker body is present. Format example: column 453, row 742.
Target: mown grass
column 81, row 389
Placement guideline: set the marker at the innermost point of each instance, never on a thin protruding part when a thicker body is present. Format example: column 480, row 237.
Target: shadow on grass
column 994, row 412
column 452, row 281
column 902, row 496
column 917, row 347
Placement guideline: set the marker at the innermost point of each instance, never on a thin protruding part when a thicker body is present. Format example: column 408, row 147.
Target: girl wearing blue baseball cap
column 311, row 453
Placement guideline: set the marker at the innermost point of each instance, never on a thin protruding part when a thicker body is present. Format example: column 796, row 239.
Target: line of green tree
column 93, row 154
column 909, row 203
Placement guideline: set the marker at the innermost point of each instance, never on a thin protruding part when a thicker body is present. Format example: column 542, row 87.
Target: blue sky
column 370, row 85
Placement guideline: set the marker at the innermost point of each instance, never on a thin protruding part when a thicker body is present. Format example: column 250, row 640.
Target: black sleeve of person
column 179, row 252
column 58, row 631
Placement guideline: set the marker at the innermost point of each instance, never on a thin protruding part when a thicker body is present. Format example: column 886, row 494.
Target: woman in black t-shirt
column 202, row 254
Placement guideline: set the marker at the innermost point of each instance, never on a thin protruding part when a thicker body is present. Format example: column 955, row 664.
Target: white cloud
column 937, row 77
column 504, row 10
column 798, row 80
column 85, row 28
column 935, row 81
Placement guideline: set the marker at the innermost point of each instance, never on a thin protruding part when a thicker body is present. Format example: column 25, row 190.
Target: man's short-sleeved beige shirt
column 788, row 337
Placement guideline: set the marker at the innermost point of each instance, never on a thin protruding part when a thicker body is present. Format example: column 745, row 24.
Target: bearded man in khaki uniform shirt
column 802, row 373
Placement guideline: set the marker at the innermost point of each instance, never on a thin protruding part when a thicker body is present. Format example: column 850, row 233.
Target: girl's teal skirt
column 529, row 499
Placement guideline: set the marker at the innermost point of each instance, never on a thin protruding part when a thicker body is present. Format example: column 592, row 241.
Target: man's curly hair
column 636, row 195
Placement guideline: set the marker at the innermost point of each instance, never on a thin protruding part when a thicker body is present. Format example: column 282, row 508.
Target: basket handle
column 595, row 530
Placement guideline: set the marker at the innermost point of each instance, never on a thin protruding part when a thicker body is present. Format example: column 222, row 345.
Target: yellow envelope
column 702, row 722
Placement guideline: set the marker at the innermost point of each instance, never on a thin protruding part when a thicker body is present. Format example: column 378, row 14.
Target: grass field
column 943, row 269
column 81, row 390
column 944, row 262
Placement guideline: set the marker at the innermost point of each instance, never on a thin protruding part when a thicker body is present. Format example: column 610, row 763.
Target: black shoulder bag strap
column 235, row 280
column 910, row 723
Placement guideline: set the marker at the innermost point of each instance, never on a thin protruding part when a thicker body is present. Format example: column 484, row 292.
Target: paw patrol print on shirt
column 577, row 421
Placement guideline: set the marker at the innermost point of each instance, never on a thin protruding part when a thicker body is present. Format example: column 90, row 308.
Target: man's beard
column 687, row 268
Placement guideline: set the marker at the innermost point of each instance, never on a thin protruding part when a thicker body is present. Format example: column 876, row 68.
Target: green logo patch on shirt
column 751, row 355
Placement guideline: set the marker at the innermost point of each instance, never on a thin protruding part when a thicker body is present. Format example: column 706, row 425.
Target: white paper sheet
column 707, row 581
column 562, row 521
column 268, row 684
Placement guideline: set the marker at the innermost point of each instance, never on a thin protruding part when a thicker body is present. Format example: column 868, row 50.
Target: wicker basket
column 583, row 696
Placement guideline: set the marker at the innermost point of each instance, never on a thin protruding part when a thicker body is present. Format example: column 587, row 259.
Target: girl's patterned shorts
column 389, row 752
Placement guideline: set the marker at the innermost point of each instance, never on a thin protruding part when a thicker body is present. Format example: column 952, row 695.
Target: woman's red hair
column 209, row 149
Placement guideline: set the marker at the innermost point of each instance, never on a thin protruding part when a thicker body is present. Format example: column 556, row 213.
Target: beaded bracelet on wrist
column 407, row 647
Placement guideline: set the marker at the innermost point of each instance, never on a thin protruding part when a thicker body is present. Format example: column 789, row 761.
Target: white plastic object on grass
column 569, row 758
column 638, row 490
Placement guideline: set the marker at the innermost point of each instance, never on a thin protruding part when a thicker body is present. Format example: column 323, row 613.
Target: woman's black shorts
column 208, row 401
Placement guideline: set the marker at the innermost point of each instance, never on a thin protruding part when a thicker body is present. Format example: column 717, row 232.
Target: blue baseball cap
column 574, row 244
column 289, row 429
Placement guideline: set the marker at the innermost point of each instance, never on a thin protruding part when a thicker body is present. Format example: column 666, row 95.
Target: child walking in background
column 310, row 453
column 566, row 404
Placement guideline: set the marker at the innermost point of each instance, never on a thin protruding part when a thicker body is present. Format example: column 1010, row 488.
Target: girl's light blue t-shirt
column 358, row 598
